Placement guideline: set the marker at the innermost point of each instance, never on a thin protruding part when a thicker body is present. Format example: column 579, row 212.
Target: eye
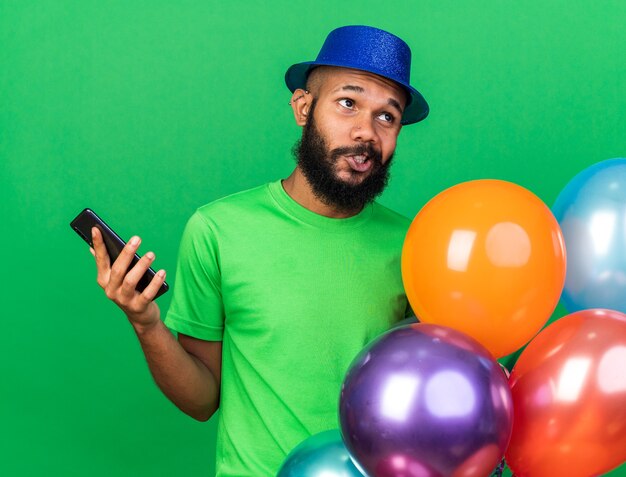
column 387, row 117
column 346, row 103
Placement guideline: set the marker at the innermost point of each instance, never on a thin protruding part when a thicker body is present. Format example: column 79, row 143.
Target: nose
column 363, row 131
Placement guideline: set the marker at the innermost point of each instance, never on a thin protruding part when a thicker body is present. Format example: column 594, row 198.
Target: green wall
column 144, row 110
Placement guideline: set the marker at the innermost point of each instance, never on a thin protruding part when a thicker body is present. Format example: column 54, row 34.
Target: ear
column 300, row 104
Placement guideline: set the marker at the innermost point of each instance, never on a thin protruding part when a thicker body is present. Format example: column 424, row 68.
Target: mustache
column 356, row 150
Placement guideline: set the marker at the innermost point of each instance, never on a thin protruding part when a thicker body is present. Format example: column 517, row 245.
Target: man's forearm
column 182, row 377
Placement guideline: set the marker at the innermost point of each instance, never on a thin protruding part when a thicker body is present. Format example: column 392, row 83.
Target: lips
column 359, row 162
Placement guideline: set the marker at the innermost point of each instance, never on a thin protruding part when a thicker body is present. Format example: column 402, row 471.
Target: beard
column 318, row 164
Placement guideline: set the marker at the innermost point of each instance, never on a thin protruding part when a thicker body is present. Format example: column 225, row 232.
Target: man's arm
column 188, row 371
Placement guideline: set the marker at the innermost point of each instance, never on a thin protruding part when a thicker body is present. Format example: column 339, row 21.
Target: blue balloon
column 591, row 210
column 321, row 455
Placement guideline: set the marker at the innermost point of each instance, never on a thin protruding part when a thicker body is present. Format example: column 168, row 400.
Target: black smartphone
column 87, row 219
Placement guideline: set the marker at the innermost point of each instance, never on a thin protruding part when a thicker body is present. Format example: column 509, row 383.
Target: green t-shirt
column 294, row 296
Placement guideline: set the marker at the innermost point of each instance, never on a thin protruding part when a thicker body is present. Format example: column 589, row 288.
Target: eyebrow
column 359, row 89
column 395, row 104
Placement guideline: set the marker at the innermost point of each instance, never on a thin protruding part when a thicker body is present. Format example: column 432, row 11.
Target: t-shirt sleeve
column 197, row 309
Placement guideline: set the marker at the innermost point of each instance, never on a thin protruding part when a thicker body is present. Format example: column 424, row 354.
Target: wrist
column 145, row 327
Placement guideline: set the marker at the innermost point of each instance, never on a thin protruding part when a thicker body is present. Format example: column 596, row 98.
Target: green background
column 144, row 110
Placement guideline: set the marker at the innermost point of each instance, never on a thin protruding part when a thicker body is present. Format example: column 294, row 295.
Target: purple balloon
column 425, row 400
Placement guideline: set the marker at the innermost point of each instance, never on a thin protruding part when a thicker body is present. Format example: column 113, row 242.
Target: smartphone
column 87, row 219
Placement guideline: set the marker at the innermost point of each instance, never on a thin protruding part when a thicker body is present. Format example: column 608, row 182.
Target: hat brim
column 416, row 109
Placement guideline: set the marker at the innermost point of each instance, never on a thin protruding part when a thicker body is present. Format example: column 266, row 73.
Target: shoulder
column 389, row 218
column 224, row 217
column 244, row 199
column 233, row 207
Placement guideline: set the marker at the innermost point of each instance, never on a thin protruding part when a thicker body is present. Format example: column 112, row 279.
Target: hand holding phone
column 86, row 220
column 126, row 277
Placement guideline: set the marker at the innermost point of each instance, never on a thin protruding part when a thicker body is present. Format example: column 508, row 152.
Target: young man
column 279, row 287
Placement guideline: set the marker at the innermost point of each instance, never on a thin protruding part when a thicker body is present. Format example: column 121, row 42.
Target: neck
column 299, row 189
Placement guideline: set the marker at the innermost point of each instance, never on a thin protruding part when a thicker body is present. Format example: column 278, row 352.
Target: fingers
column 119, row 281
column 134, row 302
column 122, row 262
column 152, row 289
column 133, row 276
column 103, row 262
